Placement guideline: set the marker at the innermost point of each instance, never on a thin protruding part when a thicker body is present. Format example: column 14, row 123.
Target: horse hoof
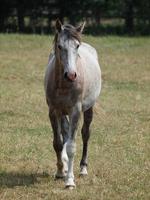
column 70, row 187
column 59, row 176
column 83, row 171
column 70, row 184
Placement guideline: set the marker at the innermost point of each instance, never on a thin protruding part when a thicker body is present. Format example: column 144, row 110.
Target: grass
column 119, row 150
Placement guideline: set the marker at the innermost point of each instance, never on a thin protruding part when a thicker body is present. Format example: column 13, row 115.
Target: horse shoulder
column 90, row 49
column 92, row 75
column 89, row 58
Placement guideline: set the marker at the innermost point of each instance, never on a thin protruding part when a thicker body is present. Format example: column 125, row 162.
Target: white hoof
column 83, row 171
column 70, row 187
column 70, row 183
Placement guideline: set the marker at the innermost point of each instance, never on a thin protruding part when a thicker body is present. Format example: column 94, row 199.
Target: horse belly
column 90, row 100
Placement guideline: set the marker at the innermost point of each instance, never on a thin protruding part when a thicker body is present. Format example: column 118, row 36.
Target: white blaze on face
column 72, row 55
column 69, row 52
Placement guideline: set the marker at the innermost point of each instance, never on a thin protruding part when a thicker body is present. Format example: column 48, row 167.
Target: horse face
column 68, row 49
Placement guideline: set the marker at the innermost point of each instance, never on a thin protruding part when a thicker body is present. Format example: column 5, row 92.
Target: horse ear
column 81, row 27
column 58, row 25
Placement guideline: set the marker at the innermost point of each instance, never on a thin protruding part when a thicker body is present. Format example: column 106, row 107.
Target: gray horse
column 72, row 85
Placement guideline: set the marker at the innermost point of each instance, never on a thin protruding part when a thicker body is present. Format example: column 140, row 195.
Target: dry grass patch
column 119, row 162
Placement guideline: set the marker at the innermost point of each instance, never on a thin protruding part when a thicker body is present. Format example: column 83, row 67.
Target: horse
column 72, row 85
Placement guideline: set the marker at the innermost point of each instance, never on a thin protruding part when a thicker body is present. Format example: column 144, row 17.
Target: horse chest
column 63, row 99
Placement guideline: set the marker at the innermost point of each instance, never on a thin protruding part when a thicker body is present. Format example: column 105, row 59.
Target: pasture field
column 119, row 148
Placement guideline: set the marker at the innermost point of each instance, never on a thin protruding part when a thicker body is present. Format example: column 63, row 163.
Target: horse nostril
column 65, row 75
column 75, row 75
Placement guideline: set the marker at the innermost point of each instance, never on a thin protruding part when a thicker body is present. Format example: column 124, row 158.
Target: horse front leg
column 65, row 132
column 55, row 120
column 71, row 145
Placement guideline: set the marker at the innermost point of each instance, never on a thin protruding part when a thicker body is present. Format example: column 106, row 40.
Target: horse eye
column 77, row 46
column 59, row 46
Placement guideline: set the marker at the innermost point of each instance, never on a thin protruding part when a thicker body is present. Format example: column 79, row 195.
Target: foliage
column 41, row 13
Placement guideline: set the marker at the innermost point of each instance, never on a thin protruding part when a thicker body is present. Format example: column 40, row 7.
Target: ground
column 119, row 150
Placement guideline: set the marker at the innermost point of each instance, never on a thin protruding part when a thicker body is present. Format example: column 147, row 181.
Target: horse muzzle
column 70, row 76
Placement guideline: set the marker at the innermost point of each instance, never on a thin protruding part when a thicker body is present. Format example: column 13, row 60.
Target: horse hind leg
column 88, row 115
column 57, row 142
column 65, row 131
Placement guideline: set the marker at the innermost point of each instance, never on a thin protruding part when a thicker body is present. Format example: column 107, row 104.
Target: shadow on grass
column 16, row 179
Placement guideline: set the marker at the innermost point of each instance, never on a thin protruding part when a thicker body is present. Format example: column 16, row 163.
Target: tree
column 5, row 10
column 129, row 15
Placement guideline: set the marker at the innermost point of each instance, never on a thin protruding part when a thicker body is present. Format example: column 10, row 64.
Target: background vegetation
column 119, row 162
column 102, row 16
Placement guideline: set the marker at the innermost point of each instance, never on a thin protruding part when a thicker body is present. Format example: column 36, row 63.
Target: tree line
column 102, row 16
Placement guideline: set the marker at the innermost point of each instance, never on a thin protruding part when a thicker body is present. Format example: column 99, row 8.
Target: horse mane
column 71, row 33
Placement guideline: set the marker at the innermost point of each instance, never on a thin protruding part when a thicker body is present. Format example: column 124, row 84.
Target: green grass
column 119, row 150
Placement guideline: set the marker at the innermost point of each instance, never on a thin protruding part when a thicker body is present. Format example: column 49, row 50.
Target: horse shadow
column 12, row 179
